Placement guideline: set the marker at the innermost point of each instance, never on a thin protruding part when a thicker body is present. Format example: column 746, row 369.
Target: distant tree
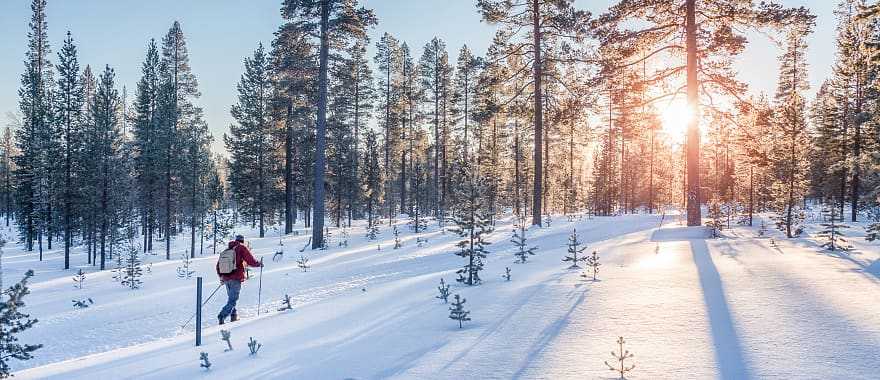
column 831, row 230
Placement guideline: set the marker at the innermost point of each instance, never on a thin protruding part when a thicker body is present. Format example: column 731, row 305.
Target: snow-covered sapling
column 421, row 241
column 519, row 240
column 834, row 238
column 183, row 270
column 506, row 274
column 457, row 311
column 573, row 251
column 131, row 273
column 444, row 291
column 303, row 263
column 592, row 265
column 396, row 233
column 149, row 268
column 620, row 367
column 13, row 322
column 714, row 223
column 82, row 304
column 548, row 220
column 226, row 336
column 79, row 280
column 286, row 303
column 254, row 346
column 373, row 231
column 762, row 229
column 327, row 239
column 206, row 364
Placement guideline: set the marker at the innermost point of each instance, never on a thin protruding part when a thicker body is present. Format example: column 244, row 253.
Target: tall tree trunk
column 320, row 141
column 539, row 112
column 693, row 128
column 289, row 202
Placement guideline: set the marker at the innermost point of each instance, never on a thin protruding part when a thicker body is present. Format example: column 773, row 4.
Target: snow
column 689, row 307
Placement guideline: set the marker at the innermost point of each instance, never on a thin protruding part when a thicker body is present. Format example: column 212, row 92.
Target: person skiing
column 230, row 268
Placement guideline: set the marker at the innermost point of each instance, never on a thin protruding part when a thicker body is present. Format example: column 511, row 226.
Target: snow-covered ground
column 737, row 307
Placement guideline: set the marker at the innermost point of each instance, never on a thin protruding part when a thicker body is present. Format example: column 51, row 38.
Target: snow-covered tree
column 715, row 215
column 592, row 265
column 444, row 291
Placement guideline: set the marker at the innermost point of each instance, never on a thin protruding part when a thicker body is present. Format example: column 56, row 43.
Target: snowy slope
column 736, row 307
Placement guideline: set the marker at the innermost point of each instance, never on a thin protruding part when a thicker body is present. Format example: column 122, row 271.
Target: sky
column 221, row 33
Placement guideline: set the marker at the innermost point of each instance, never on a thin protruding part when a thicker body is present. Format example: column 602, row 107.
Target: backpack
column 226, row 262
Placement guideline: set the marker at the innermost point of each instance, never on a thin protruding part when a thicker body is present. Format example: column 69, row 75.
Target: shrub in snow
column 82, row 304
column 183, row 270
column 80, row 279
column 519, row 240
column 547, row 220
column 506, row 274
column 303, row 263
column 762, row 230
column 620, row 357
column 13, row 322
column 592, row 265
column 226, row 336
column 254, row 346
column 396, row 233
column 286, row 303
column 457, row 311
column 206, row 364
column 574, row 250
column 444, row 291
column 714, row 223
column 830, row 232
column 420, row 241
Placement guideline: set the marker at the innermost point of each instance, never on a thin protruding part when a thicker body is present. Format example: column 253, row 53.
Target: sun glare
column 675, row 119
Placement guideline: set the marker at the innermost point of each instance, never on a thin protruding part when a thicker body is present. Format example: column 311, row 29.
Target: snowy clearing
column 737, row 307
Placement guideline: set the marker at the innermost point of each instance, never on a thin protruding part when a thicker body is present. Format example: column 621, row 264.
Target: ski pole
column 260, row 288
column 203, row 304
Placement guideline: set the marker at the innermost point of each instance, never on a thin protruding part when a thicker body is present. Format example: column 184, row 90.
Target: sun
column 675, row 118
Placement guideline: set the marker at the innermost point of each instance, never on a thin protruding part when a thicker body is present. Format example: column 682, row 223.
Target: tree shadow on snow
column 728, row 350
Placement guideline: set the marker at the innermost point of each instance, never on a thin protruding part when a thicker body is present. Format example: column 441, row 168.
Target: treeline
column 562, row 114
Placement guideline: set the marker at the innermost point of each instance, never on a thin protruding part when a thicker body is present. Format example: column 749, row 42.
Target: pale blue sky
column 222, row 32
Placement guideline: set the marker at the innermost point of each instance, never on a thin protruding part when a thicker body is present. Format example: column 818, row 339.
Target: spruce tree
column 523, row 251
column 69, row 107
column 457, row 311
column 250, row 144
column 12, row 323
column 831, row 230
column 472, row 224
column 574, row 248
column 146, row 143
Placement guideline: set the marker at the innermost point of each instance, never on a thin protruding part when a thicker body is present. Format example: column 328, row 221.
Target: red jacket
column 242, row 255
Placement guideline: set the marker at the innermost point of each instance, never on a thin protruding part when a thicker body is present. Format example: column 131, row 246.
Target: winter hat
column 239, row 238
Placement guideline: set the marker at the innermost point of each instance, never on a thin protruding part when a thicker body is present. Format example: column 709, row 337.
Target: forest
column 599, row 127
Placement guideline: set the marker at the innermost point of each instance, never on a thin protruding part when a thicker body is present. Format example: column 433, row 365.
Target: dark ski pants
column 233, row 288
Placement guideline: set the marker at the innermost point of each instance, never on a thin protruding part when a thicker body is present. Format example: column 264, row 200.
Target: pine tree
column 639, row 30
column 132, row 271
column 457, row 311
column 250, row 143
column 593, row 265
column 472, row 224
column 789, row 159
column 12, row 323
column 434, row 69
column 573, row 251
column 444, row 291
column 831, row 230
column 69, row 107
column 34, row 139
column 388, row 64
column 146, row 143
column 335, row 21
column 519, row 240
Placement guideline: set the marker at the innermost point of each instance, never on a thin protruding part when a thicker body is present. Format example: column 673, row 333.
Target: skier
column 230, row 268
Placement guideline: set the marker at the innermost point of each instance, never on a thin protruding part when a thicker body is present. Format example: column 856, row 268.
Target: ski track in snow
column 689, row 307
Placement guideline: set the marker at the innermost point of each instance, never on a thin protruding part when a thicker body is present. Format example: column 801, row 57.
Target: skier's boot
column 220, row 318
column 234, row 315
